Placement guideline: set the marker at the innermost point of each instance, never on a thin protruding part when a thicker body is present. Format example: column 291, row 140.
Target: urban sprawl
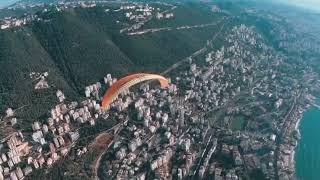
column 226, row 112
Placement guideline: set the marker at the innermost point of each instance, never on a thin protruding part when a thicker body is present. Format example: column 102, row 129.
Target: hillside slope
column 20, row 55
column 79, row 47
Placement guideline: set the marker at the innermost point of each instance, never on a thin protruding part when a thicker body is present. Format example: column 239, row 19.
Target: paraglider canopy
column 126, row 82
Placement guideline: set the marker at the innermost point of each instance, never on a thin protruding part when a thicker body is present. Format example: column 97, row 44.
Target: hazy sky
column 6, row 2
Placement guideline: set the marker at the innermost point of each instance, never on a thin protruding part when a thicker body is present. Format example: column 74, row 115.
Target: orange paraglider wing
column 128, row 81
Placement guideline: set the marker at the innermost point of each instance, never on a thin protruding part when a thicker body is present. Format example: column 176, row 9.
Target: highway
column 196, row 53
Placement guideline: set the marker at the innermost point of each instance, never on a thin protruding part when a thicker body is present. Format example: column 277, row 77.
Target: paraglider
column 126, row 82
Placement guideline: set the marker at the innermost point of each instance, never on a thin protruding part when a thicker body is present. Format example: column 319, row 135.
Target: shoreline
column 293, row 155
column 297, row 141
column 297, row 128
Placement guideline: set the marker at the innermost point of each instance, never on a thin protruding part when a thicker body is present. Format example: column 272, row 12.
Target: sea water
column 307, row 156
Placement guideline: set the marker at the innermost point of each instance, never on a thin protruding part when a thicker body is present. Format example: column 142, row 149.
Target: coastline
column 297, row 128
column 293, row 157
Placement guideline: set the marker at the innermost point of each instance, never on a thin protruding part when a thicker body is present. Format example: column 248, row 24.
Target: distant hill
column 26, row 2
column 37, row 1
column 22, row 3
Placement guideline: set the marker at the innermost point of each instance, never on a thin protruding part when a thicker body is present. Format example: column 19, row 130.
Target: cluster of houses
column 10, row 22
column 52, row 138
